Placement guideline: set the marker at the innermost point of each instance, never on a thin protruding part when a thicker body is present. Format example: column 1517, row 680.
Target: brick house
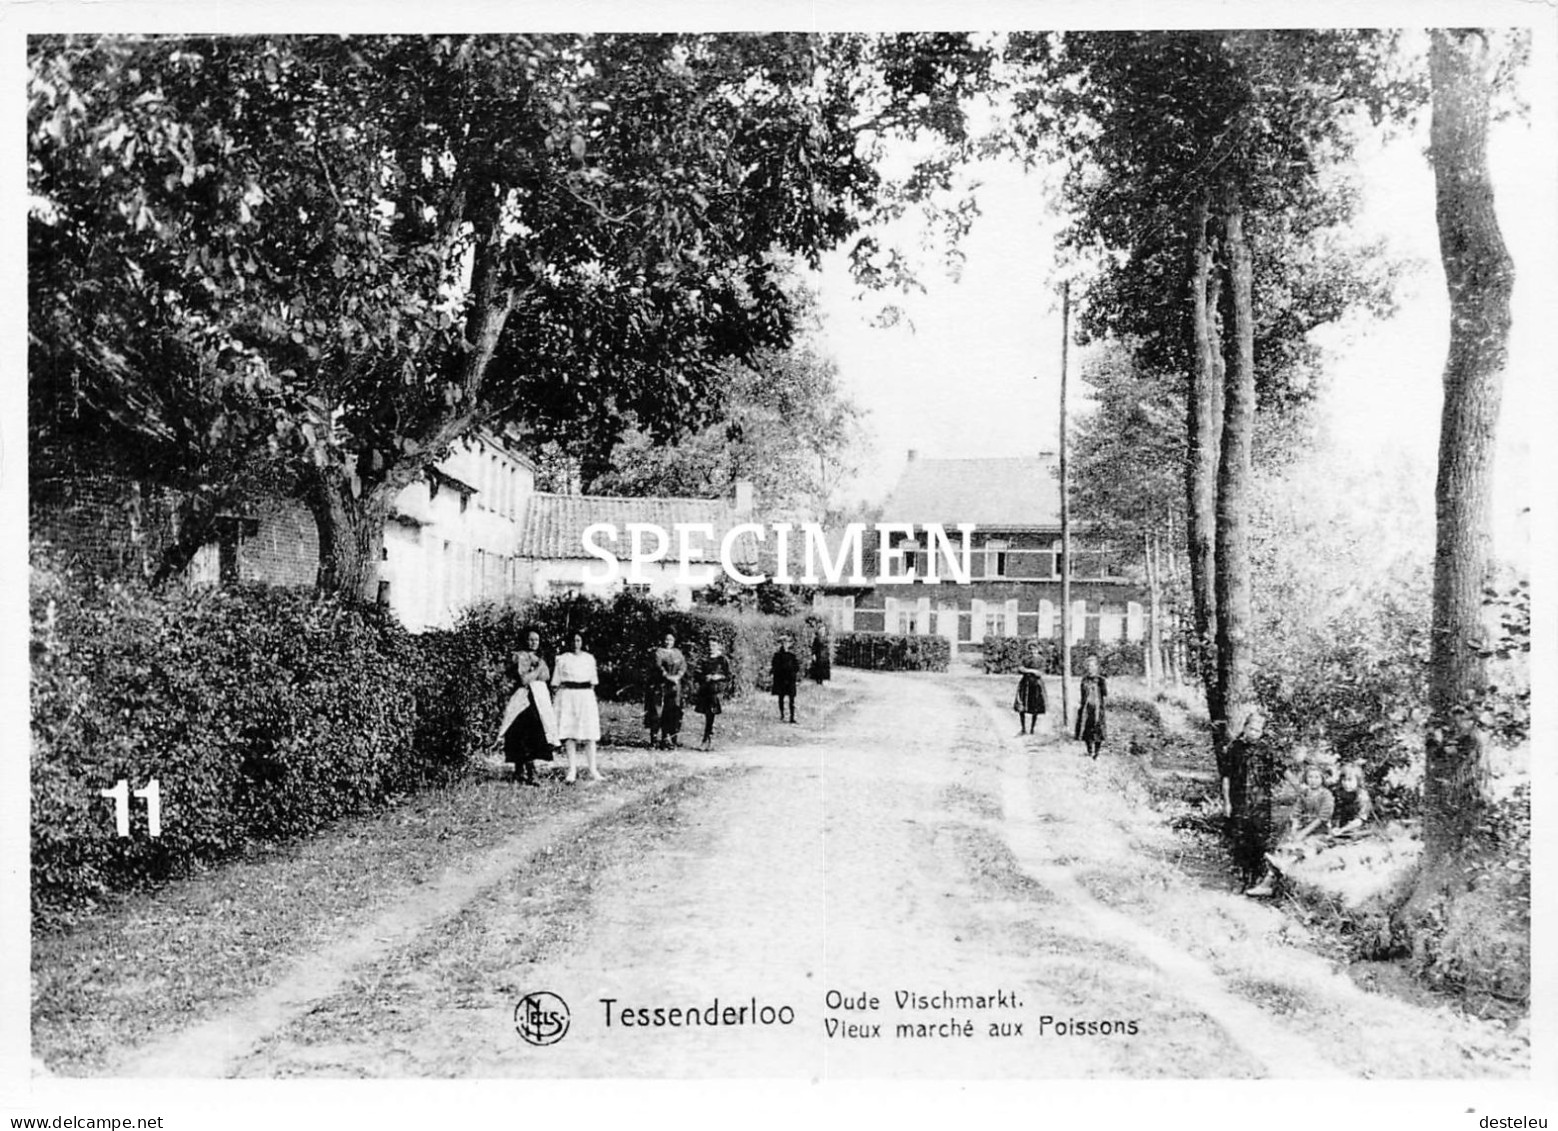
column 1015, row 578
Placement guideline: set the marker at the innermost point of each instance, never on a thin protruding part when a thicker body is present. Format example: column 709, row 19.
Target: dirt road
column 917, row 893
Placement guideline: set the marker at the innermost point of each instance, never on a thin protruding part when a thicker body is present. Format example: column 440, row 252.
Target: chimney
column 913, row 454
column 743, row 496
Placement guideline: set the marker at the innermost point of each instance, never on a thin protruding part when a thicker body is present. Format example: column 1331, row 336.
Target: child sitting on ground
column 1312, row 815
column 1353, row 807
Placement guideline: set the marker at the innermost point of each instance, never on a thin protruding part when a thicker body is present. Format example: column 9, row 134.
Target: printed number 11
column 120, row 795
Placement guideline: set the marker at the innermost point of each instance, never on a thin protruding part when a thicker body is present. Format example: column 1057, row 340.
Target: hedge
column 888, row 652
column 261, row 713
column 264, row 713
column 1004, row 654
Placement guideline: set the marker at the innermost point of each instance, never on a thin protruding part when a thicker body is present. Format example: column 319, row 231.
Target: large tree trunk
column 1480, row 276
column 350, row 516
column 1233, row 481
column 1204, row 429
column 350, row 524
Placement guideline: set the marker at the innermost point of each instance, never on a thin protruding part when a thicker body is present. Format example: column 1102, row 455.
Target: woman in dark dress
column 786, row 670
column 1030, row 700
column 1090, row 708
column 663, row 696
column 713, row 678
column 528, row 730
column 821, row 658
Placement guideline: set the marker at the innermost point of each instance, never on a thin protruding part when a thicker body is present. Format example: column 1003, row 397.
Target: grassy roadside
column 1344, row 900
column 475, row 959
column 1132, row 829
column 153, row 961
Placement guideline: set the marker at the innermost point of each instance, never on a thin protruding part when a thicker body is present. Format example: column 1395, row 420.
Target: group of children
column 665, row 693
column 1301, row 803
column 1031, row 701
column 1305, row 800
column 553, row 707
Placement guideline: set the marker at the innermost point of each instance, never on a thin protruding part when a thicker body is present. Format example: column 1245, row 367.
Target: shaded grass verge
column 152, row 962
column 479, row 957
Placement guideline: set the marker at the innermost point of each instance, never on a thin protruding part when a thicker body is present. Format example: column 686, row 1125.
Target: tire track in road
column 212, row 1047
column 1281, row 1052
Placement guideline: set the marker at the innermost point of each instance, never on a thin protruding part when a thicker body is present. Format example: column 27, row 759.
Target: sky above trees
column 973, row 368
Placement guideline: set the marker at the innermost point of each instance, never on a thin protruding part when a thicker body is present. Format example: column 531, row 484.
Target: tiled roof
column 1013, row 492
column 554, row 525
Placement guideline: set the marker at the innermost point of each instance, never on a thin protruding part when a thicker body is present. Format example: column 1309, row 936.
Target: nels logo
column 541, row 1018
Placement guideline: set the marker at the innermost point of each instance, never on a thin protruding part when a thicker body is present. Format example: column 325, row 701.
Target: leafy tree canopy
column 783, row 425
column 310, row 250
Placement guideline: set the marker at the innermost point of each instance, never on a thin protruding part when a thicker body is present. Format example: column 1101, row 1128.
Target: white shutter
column 890, row 615
column 977, row 627
column 1046, row 618
column 1011, row 628
column 1133, row 620
column 1078, row 620
column 922, row 617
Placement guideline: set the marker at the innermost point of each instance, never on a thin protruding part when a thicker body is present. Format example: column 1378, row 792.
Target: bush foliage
column 1004, row 654
column 260, row 713
column 888, row 652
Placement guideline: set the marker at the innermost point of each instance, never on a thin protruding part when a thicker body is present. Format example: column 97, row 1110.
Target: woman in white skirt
column 578, row 715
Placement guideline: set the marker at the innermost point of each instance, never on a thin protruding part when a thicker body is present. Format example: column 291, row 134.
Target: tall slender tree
column 1201, row 181
column 1464, row 65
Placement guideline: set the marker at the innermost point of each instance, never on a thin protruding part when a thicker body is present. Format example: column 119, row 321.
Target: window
column 1046, row 618
column 995, row 559
column 1000, row 620
column 1135, row 621
column 837, row 609
column 907, row 558
column 899, row 617
column 993, row 618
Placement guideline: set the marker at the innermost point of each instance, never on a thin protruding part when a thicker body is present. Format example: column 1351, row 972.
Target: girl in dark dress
column 713, row 678
column 527, row 728
column 1090, row 709
column 786, row 671
column 1030, row 698
column 821, row 659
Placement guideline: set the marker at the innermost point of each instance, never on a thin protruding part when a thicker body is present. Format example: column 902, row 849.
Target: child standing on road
column 712, row 680
column 1030, row 700
column 1090, row 708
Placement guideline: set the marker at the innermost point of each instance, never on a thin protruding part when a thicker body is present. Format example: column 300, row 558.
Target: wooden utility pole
column 1065, row 518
